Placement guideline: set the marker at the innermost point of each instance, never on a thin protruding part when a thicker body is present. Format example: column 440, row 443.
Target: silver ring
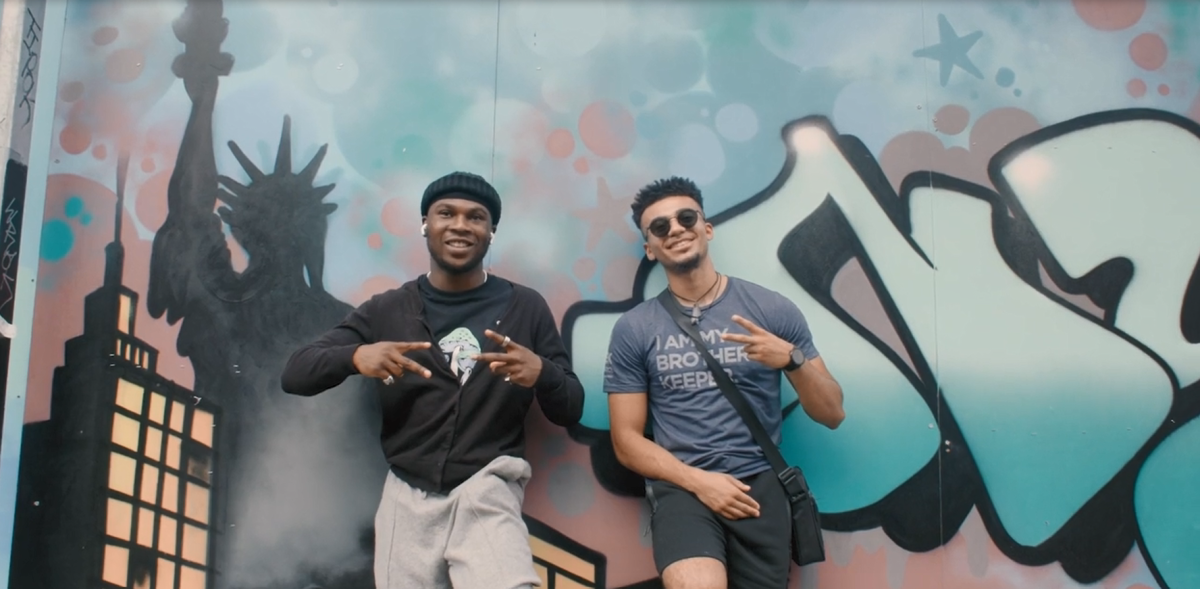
column 508, row 379
column 506, row 341
column 389, row 380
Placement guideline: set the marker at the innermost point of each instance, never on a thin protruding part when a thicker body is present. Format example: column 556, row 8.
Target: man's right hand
column 725, row 495
column 383, row 359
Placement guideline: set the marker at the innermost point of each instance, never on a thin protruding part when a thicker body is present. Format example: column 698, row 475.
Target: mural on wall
column 983, row 210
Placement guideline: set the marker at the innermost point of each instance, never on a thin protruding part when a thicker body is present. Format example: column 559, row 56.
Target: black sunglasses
column 660, row 227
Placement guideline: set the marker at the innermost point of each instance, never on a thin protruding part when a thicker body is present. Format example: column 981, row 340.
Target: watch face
column 798, row 357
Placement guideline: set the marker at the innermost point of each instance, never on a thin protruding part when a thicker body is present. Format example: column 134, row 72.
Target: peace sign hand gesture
column 386, row 360
column 517, row 363
column 761, row 345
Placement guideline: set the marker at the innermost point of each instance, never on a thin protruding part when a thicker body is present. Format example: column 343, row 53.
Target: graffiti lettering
column 1043, row 427
column 32, row 42
column 12, row 241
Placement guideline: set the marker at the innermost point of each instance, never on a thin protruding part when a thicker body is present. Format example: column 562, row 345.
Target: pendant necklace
column 696, row 303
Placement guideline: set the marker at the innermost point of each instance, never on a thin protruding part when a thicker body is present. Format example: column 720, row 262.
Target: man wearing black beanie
column 458, row 357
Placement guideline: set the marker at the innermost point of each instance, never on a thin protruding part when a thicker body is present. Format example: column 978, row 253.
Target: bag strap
column 727, row 386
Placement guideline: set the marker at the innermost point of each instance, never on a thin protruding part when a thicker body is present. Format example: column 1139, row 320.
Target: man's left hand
column 516, row 363
column 761, row 345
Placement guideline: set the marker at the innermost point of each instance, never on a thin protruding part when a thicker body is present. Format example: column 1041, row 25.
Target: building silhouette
column 563, row 563
column 117, row 488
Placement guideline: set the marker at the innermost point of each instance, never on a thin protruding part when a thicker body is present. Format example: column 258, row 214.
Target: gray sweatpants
column 473, row 538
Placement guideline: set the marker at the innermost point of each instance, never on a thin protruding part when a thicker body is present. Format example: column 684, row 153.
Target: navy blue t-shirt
column 690, row 416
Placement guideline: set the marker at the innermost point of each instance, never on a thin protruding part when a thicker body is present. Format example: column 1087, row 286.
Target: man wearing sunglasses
column 720, row 517
column 457, row 357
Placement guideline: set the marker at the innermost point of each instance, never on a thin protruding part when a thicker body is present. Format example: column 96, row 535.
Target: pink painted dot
column 148, row 165
column 124, row 65
column 584, row 268
column 607, row 129
column 400, row 218
column 581, row 165
column 104, row 35
column 1110, row 15
column 1164, row 89
column 99, row 152
column 560, row 144
column 75, row 138
column 951, row 119
column 375, row 241
column 71, row 91
column 1148, row 51
column 1136, row 88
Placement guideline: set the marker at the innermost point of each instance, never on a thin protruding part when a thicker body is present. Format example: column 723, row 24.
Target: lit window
column 125, row 432
column 145, row 527
column 166, row 575
column 154, row 443
column 202, row 427
column 562, row 560
column 129, row 396
column 195, row 504
column 199, row 466
column 177, row 410
column 195, row 544
column 158, row 408
column 121, row 469
column 119, row 519
column 167, row 527
column 190, row 578
column 170, row 492
column 125, row 314
column 116, row 565
column 173, row 443
column 149, row 492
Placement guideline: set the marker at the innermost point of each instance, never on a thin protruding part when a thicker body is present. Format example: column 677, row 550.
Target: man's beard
column 457, row 270
column 683, row 266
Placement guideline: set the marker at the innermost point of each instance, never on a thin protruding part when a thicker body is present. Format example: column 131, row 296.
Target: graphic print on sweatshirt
column 459, row 346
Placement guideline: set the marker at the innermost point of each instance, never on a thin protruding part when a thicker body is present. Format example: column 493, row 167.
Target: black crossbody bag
column 808, row 546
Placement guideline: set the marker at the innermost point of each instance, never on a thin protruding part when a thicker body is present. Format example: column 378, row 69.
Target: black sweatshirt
column 435, row 433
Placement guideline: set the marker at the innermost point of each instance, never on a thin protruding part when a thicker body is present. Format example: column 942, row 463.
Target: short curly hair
column 660, row 189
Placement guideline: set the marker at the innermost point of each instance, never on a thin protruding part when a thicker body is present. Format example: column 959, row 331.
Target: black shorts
column 756, row 551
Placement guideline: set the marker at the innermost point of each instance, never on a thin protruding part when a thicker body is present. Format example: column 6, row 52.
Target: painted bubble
column 57, row 240
column 737, row 122
column 560, row 144
column 607, row 129
column 1148, row 51
column 73, row 207
column 105, row 35
column 951, row 119
column 1136, row 88
column 75, row 138
column 1110, row 15
column 1005, row 77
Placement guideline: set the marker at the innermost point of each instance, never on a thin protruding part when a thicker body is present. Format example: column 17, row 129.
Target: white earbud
column 492, row 237
column 424, row 230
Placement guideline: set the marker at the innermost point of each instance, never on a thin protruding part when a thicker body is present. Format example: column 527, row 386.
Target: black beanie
column 463, row 185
